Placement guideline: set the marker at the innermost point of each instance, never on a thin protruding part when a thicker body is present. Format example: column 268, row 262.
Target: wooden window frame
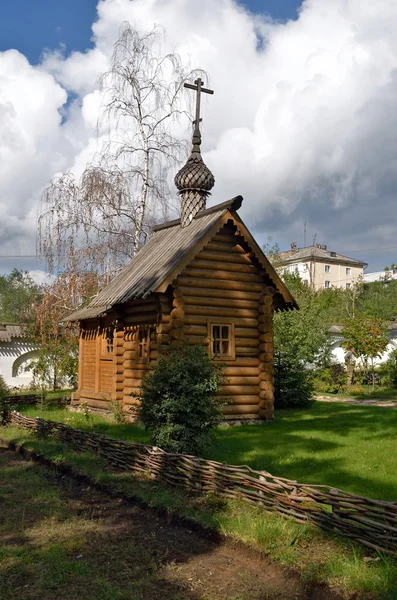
column 104, row 341
column 139, row 344
column 220, row 322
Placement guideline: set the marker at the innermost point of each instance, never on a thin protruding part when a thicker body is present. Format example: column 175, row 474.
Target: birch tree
column 104, row 217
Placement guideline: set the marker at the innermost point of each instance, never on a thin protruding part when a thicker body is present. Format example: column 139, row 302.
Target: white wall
column 338, row 353
column 16, row 354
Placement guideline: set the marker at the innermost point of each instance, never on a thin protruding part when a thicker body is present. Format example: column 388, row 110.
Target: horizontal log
column 86, row 394
column 199, row 330
column 233, row 409
column 102, row 404
column 221, row 302
column 226, row 236
column 226, row 246
column 221, row 293
column 135, row 373
column 130, row 401
column 224, row 266
column 216, row 311
column 204, row 282
column 143, row 307
column 245, row 362
column 247, row 332
column 234, row 371
column 247, row 342
column 227, row 254
column 130, row 355
column 249, row 399
column 133, row 383
column 203, row 320
column 131, row 345
column 197, row 339
column 238, row 390
column 241, row 380
column 142, row 319
column 130, row 390
column 221, row 275
column 246, row 351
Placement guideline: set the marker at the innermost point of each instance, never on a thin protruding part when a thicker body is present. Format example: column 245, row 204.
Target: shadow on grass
column 70, row 542
column 349, row 447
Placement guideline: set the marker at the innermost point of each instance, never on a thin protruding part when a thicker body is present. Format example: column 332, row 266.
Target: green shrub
column 179, row 404
column 357, row 390
column 293, row 384
column 388, row 370
column 332, row 379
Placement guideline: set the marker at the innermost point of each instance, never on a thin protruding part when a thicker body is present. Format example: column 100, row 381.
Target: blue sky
column 30, row 26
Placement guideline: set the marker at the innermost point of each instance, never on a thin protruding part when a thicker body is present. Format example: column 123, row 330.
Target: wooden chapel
column 202, row 278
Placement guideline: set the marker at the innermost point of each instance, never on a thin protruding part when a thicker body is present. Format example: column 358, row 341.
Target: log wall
column 223, row 285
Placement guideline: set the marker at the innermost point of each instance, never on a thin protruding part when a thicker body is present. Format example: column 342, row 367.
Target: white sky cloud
column 302, row 124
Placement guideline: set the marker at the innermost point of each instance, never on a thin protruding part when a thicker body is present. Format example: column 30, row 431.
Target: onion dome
column 194, row 182
column 195, row 175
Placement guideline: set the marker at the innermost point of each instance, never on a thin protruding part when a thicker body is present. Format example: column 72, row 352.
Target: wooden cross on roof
column 198, row 88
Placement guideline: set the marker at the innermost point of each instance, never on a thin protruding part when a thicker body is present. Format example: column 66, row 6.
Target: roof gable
column 169, row 251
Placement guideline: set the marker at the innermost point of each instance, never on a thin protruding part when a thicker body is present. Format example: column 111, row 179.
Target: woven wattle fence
column 372, row 523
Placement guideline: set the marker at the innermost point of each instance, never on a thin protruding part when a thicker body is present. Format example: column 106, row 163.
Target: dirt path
column 79, row 543
column 358, row 401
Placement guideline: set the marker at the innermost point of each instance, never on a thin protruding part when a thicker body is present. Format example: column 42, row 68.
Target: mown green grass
column 348, row 447
column 316, row 556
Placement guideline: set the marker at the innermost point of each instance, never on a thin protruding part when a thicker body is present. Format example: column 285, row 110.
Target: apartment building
column 322, row 268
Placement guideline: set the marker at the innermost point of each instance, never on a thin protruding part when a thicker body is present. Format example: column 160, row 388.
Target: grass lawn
column 349, row 447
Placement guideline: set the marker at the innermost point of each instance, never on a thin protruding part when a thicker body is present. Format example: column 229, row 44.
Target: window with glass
column 327, row 284
column 327, row 268
column 348, row 286
column 222, row 340
column 348, row 271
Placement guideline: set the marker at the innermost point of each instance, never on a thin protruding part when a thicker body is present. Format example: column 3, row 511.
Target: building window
column 143, row 342
column 222, row 340
column 327, row 284
column 348, row 286
column 348, row 271
column 327, row 268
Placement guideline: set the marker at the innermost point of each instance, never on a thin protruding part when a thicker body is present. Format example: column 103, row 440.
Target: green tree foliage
column 293, row 386
column 179, row 404
column 56, row 339
column 18, row 293
column 367, row 337
column 301, row 336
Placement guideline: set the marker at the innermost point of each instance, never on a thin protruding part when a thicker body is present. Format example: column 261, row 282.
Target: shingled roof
column 320, row 254
column 167, row 251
